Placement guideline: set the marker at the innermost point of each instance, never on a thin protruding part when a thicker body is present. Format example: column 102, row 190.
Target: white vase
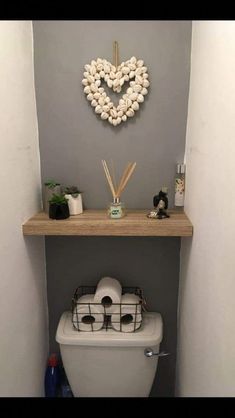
column 75, row 204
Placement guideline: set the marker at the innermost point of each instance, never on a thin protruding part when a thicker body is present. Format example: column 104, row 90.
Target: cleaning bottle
column 52, row 377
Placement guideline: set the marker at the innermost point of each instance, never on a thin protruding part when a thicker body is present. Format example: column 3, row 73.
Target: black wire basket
column 118, row 320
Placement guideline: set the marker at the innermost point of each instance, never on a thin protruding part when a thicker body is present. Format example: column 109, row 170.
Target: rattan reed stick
column 110, row 178
column 116, row 191
column 114, row 176
column 107, row 173
column 126, row 171
column 127, row 178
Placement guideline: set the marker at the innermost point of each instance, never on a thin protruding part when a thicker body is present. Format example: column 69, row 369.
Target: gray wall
column 73, row 140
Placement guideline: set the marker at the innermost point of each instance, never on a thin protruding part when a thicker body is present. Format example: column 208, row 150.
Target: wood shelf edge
column 96, row 223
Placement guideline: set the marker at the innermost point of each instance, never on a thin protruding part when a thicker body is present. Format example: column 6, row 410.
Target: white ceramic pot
column 75, row 204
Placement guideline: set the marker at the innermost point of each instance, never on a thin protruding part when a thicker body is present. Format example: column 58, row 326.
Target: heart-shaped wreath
column 132, row 70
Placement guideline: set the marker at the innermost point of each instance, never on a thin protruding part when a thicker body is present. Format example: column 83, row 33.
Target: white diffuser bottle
column 116, row 209
column 74, row 197
column 180, row 185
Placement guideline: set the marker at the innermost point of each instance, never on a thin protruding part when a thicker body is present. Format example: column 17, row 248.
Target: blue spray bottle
column 52, row 377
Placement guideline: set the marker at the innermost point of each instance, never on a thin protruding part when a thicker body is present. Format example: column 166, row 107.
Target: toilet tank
column 108, row 363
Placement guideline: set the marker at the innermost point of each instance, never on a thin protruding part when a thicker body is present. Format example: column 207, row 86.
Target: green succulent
column 51, row 184
column 73, row 190
column 58, row 199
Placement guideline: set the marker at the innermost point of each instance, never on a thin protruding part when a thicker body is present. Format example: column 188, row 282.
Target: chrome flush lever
column 149, row 353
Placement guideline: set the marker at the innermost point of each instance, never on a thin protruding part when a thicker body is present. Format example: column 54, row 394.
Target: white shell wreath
column 132, row 70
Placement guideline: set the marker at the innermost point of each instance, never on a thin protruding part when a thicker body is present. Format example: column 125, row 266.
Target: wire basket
column 120, row 319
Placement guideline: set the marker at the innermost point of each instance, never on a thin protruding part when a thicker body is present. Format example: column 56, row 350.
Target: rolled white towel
column 108, row 292
column 129, row 317
column 87, row 316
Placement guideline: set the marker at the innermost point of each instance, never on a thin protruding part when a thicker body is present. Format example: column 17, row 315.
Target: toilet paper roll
column 86, row 315
column 129, row 318
column 108, row 292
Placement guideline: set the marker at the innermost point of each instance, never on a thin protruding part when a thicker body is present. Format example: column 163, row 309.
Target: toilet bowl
column 108, row 363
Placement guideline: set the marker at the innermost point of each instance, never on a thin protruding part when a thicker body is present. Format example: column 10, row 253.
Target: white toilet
column 108, row 363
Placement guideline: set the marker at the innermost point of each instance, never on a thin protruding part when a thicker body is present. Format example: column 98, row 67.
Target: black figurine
column 160, row 203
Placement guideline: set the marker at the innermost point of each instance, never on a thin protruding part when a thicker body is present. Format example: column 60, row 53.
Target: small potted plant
column 59, row 208
column 74, row 197
column 50, row 187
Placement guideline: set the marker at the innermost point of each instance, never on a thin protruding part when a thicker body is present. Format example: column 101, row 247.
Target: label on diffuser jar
column 116, row 209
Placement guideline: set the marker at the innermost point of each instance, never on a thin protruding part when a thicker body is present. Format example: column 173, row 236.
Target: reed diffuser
column 116, row 207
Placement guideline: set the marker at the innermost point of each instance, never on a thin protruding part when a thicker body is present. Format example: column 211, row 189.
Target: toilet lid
column 150, row 333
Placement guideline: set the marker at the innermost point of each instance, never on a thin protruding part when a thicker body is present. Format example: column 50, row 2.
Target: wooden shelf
column 96, row 223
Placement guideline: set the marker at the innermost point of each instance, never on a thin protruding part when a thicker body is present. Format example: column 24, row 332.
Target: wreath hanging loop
column 132, row 70
column 115, row 54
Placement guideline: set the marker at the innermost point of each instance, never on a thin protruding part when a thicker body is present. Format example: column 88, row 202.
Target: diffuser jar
column 116, row 209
